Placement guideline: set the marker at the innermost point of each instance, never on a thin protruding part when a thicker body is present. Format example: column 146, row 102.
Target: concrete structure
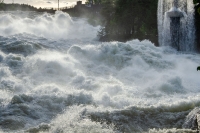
column 174, row 11
column 175, row 15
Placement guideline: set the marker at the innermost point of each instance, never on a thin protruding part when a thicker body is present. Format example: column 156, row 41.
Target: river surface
column 56, row 77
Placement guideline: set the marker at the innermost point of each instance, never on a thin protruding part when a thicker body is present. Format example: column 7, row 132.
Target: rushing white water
column 187, row 28
column 55, row 77
column 45, row 25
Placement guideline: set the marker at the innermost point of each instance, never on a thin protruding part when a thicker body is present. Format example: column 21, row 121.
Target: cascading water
column 176, row 24
column 55, row 77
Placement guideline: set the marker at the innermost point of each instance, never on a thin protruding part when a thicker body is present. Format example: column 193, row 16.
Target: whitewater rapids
column 56, row 77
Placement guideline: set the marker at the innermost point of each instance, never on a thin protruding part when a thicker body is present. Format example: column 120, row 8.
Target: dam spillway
column 176, row 24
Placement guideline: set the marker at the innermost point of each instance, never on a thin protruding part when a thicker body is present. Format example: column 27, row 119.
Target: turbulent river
column 56, row 77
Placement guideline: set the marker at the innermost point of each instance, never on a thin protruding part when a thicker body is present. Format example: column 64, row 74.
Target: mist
column 57, row 26
column 56, row 77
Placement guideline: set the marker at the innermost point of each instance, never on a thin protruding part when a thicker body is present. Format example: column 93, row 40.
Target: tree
column 197, row 3
column 198, row 68
column 94, row 1
column 1, row 4
column 124, row 19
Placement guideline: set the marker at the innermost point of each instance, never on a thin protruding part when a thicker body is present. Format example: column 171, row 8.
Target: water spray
column 175, row 15
column 176, row 24
column 175, row 3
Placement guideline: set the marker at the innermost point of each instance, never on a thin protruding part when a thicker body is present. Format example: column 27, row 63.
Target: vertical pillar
column 175, row 16
column 175, row 32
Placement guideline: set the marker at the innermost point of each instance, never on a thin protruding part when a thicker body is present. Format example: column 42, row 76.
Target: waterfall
column 186, row 34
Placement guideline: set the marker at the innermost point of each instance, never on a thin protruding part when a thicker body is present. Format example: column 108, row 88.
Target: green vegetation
column 121, row 20
column 198, row 68
column 93, row 1
column 22, row 7
column 197, row 22
column 14, row 7
column 128, row 19
column 1, row 4
column 197, row 3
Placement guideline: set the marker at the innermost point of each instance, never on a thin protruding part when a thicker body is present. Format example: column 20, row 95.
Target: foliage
column 198, row 68
column 21, row 7
column 93, row 1
column 198, row 10
column 197, row 3
column 125, row 19
column 11, row 7
column 1, row 4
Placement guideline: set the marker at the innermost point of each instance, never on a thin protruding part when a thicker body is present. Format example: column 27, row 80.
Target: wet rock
column 193, row 119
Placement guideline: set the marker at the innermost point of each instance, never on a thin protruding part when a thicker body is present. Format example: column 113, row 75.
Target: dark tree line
column 197, row 2
column 13, row 7
column 122, row 19
column 1, row 4
column 197, row 22
column 128, row 19
column 22, row 7
column 93, row 2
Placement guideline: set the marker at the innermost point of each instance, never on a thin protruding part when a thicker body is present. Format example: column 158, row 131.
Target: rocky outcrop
column 193, row 119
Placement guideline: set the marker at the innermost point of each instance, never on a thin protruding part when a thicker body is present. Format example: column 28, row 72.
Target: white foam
column 185, row 10
column 58, row 26
column 60, row 85
column 115, row 70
